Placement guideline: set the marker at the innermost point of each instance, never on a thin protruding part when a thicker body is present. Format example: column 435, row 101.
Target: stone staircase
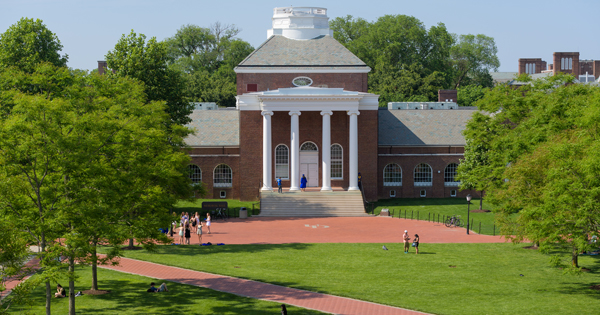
column 312, row 204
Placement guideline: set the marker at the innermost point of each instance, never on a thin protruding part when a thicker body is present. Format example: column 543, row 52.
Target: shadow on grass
column 194, row 250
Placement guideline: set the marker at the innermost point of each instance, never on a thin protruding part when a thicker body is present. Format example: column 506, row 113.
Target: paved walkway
column 14, row 281
column 258, row 290
column 276, row 230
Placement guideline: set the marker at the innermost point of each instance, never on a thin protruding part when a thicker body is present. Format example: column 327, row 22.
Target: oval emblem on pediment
column 302, row 81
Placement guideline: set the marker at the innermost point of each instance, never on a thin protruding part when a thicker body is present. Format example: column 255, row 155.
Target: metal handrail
column 365, row 202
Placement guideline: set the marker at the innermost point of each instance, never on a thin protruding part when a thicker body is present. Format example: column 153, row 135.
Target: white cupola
column 300, row 22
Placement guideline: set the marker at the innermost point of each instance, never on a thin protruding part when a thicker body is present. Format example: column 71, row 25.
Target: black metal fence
column 475, row 226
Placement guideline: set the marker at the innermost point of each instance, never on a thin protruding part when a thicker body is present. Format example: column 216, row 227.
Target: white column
column 295, row 151
column 353, row 149
column 326, row 150
column 267, row 158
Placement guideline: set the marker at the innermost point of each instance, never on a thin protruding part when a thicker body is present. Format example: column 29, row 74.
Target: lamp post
column 468, row 210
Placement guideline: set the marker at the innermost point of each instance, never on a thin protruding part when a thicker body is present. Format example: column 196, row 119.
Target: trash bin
column 243, row 213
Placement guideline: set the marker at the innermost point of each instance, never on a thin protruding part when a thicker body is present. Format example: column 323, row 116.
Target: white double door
column 309, row 166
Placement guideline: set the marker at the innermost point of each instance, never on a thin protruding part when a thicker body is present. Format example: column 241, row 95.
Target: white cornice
column 308, row 99
column 300, row 70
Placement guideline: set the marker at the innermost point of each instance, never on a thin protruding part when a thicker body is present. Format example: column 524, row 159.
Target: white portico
column 292, row 102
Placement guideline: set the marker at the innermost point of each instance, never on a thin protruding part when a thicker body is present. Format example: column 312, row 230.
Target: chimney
column 102, row 66
column 447, row 95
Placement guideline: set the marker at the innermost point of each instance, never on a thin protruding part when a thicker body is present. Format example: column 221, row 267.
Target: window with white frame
column 423, row 175
column 309, row 146
column 195, row 173
column 222, row 176
column 450, row 175
column 282, row 158
column 336, row 162
column 392, row 175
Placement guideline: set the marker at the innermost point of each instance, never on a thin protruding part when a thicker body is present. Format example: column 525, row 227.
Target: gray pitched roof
column 423, row 127
column 214, row 128
column 323, row 51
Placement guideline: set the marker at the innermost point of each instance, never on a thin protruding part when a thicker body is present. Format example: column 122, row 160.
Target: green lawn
column 128, row 296
column 430, row 208
column 234, row 206
column 485, row 280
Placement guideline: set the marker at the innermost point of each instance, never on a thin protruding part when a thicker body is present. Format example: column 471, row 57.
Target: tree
column 473, row 57
column 75, row 164
column 469, row 95
column 148, row 62
column 409, row 62
column 536, row 149
column 208, row 56
column 27, row 43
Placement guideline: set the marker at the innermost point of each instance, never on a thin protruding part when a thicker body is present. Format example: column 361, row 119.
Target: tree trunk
column 48, row 288
column 131, row 243
column 94, row 266
column 71, row 285
column 575, row 256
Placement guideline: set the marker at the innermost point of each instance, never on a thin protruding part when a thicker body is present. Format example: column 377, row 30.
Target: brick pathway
column 14, row 281
column 258, row 290
column 271, row 230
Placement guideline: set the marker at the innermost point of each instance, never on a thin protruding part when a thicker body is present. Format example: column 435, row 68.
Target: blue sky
column 88, row 29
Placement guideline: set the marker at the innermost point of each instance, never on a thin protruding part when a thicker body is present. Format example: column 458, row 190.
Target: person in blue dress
column 303, row 182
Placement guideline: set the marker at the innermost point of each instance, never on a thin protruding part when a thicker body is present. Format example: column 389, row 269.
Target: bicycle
column 454, row 220
column 221, row 214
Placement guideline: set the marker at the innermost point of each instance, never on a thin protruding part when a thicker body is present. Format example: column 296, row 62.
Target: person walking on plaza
column 181, row 230
column 416, row 243
column 279, row 188
column 188, row 233
column 406, row 239
column 208, row 222
column 303, row 182
column 199, row 231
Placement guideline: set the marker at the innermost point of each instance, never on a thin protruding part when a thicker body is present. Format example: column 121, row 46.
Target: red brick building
column 303, row 109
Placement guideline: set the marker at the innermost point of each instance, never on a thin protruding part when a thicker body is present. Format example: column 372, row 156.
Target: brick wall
column 438, row 164
column 250, row 154
column 444, row 95
column 557, row 59
column 540, row 65
column 207, row 165
column 368, row 123
column 274, row 81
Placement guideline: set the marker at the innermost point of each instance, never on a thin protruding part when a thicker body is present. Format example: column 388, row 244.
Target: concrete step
column 312, row 204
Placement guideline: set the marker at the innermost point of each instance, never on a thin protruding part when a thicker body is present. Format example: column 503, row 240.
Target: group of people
column 303, row 182
column 406, row 239
column 189, row 225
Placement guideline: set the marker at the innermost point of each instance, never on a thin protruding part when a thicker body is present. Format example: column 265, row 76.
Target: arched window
column 336, row 162
column 195, row 173
column 450, row 174
column 282, row 157
column 392, row 175
column 222, row 176
column 423, row 175
column 309, row 146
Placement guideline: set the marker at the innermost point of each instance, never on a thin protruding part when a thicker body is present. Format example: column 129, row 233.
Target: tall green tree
column 27, row 43
column 408, row 61
column 473, row 57
column 75, row 164
column 208, row 56
column 148, row 62
column 536, row 147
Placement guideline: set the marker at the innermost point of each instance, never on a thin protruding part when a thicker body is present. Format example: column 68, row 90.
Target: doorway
column 309, row 163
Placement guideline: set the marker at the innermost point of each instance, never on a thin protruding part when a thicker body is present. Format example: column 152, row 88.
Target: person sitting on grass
column 60, row 292
column 163, row 288
column 152, row 288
